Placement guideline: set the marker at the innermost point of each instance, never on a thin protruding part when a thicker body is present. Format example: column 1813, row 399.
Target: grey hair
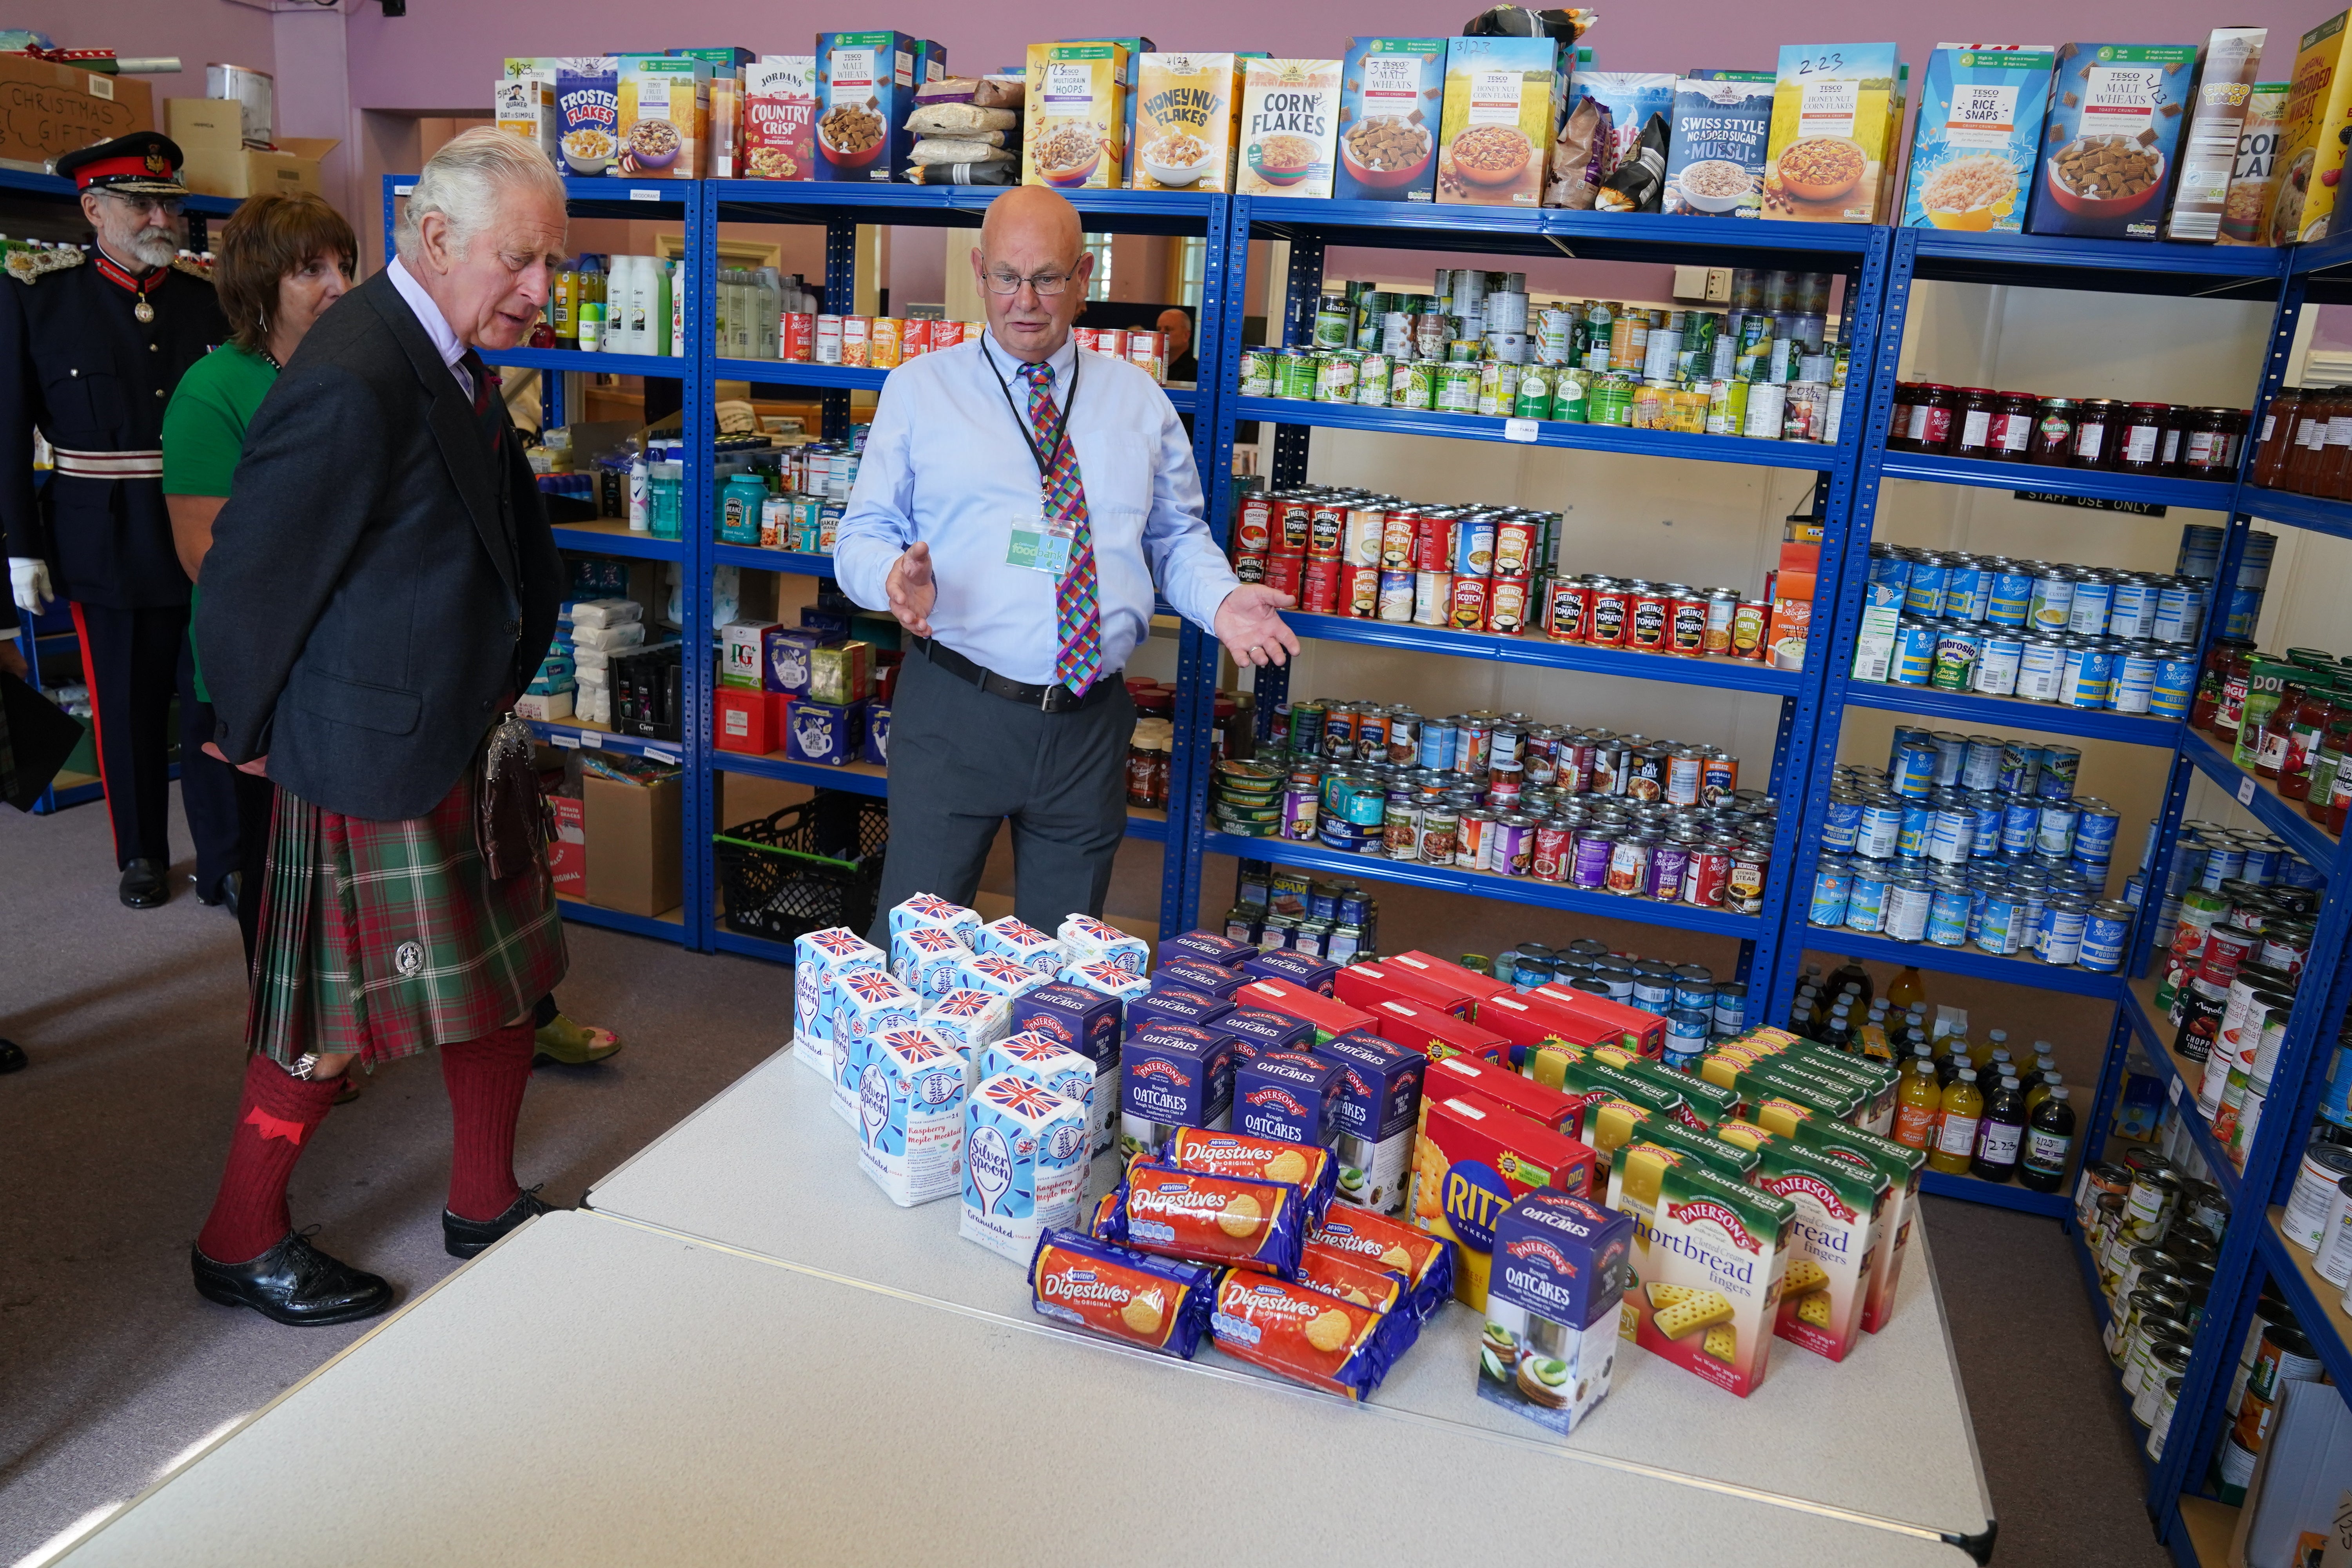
column 462, row 182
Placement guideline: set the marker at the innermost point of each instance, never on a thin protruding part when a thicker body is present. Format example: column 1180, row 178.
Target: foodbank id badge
column 1041, row 543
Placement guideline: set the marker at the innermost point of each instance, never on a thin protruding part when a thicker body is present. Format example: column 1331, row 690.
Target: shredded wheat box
column 1973, row 144
column 1709, row 1254
column 1502, row 109
column 1074, row 121
column 1391, row 96
column 1289, row 127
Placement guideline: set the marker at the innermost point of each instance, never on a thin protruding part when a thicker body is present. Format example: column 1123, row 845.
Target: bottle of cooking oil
column 1956, row 1129
column 1918, row 1105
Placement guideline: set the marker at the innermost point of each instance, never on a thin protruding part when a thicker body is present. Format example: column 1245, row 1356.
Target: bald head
column 1032, row 235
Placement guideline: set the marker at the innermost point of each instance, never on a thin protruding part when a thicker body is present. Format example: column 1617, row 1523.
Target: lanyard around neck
column 1044, row 455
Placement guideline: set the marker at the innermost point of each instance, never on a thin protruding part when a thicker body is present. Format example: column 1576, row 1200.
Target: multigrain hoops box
column 1709, row 1254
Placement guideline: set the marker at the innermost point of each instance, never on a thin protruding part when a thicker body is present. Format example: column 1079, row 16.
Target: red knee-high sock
column 274, row 1121
column 486, row 1078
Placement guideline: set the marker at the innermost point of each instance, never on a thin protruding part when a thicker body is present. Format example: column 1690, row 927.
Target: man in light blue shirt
column 1016, row 503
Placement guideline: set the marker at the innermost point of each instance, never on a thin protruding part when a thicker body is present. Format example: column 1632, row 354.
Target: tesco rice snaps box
column 1289, row 127
column 1502, row 105
column 1392, row 96
column 2109, row 142
column 867, row 1003
column 910, row 1116
column 1171, row 1076
column 1472, row 1160
column 1022, row 944
column 1091, row 940
column 1709, row 1257
column 779, row 139
column 1719, row 138
column 1973, row 144
column 818, row 957
column 1287, row 1095
column 1380, row 1109
column 865, row 90
column 1187, row 108
column 1024, row 1164
column 1836, row 111
column 1835, row 1241
column 1074, row 121
column 1550, row 1347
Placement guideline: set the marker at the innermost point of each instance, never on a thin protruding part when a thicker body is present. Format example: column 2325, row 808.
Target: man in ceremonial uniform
column 91, row 344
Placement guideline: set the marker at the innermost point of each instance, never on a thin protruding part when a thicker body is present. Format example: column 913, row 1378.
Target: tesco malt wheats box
column 2112, row 132
column 865, row 90
column 1391, row 94
column 1473, row 1159
column 1709, row 1254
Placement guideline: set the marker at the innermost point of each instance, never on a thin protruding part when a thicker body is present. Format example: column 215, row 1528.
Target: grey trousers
column 961, row 762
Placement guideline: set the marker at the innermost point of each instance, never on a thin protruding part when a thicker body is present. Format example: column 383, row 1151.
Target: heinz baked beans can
column 1568, row 606
column 1318, row 587
column 1359, row 591
column 1612, row 615
column 1506, row 606
column 1466, row 609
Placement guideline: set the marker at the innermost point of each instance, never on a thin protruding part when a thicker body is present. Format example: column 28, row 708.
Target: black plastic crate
column 805, row 867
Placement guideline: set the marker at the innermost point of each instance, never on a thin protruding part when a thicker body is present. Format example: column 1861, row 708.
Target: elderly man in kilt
column 382, row 583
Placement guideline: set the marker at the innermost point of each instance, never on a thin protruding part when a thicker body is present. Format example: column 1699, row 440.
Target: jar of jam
column 2053, row 433
column 2176, row 426
column 2309, row 437
column 2098, row 430
column 2328, row 766
column 2139, row 438
column 1931, row 417
column 2012, row 426
column 2277, row 438
column 2238, row 422
column 2204, row 444
column 2305, row 726
column 1907, row 394
column 1973, row 423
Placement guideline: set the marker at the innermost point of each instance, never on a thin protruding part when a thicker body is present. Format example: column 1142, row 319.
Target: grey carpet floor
column 110, row 1145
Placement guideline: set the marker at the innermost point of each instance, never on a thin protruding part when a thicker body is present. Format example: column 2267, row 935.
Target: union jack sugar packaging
column 911, row 1100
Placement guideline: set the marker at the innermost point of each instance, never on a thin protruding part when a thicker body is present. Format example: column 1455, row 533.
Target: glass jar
column 1907, row 395
column 2237, row 422
column 1931, row 419
column 2277, row 438
column 2328, row 766
column 2053, row 432
column 2176, row 429
column 2277, row 740
column 2139, row 438
column 2098, row 428
column 1972, row 422
column 2012, row 426
column 2310, row 439
column 2204, row 444
column 2304, row 730
column 2236, row 674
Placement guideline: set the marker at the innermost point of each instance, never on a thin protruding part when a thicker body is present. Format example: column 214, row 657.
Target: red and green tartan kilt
column 382, row 938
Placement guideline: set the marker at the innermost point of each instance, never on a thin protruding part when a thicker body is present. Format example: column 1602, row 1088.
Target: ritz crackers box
column 1709, row 1254
column 1473, row 1158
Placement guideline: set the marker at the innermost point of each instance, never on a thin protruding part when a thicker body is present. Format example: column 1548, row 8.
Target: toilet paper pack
column 817, row 957
column 925, row 959
column 866, row 1004
column 1091, row 940
column 1022, row 944
column 1024, row 1164
column 910, row 1098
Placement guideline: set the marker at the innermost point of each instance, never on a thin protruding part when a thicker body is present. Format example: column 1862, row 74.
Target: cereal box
column 1380, row 1112
column 1024, row 1164
column 1392, row 96
column 588, row 112
column 1836, row 109
column 2226, row 69
column 1550, row 1341
column 525, row 107
column 1900, row 1164
column 1091, row 940
column 665, row 102
column 2255, row 173
column 1709, row 1254
column 1841, row 1206
column 1022, row 944
column 1973, row 143
column 1719, row 136
column 867, row 1002
column 1290, row 1095
column 2311, row 152
column 910, row 1116
column 1088, row 1023
column 1186, row 111
column 865, row 90
column 972, row 1021
column 779, row 140
column 1074, row 123
column 2109, row 142
column 1171, row 1076
column 1289, row 127
column 1473, row 1158
column 1503, row 101
column 818, row 957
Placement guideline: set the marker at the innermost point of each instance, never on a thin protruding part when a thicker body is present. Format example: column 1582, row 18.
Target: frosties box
column 867, row 1003
column 1206, row 945
column 817, row 957
column 1171, row 1076
column 1472, row 1160
column 911, row 1100
column 1024, row 944
column 1289, row 1095
column 1551, row 1343
column 1709, row 1257
column 1379, row 1113
column 926, row 958
column 994, row 971
column 1091, row 940
column 970, row 1021
column 1085, row 1022
column 1835, row 1239
column 1111, row 979
column 1024, row 1164
column 930, row 909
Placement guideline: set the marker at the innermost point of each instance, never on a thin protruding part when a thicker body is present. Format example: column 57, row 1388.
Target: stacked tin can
column 2080, row 637
column 1283, row 907
column 1509, row 796
column 1700, row 1009
column 2200, row 559
column 1475, row 344
column 1352, row 553
column 2154, row 1232
column 1972, row 839
column 2209, row 857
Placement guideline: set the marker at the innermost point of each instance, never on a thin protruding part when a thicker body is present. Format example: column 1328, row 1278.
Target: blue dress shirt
column 946, row 464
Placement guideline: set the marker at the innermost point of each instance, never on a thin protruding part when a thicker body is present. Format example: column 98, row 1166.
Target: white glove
column 29, row 577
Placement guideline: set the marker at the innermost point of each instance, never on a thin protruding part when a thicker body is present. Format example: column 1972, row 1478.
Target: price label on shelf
column 568, row 743
column 641, row 194
column 590, row 739
column 663, row 757
column 402, row 190
column 1520, row 430
column 2246, row 792
column 2175, row 1091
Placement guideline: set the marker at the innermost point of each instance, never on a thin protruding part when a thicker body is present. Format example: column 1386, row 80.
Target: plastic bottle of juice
column 1999, row 1067
column 1954, row 1064
column 564, row 311
column 2043, row 1083
column 1956, row 1131
column 1839, row 1030
column 2049, row 1139
column 1918, row 1105
column 1907, row 990
column 1803, row 1012
column 1852, row 974
column 1871, row 1038
column 2001, row 1133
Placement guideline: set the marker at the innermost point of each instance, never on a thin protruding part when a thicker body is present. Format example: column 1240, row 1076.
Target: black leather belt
column 1054, row 699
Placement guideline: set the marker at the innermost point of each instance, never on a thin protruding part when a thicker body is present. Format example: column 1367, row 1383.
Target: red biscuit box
column 740, row 720
column 1331, row 1018
column 1419, row 1026
column 1528, row 1024
column 1643, row 1032
column 1362, row 984
column 1557, row 1108
column 1452, row 976
column 567, row 847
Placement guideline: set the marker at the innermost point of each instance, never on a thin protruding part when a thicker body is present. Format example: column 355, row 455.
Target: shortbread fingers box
column 867, row 1003
column 1171, row 1076
column 817, row 957
column 1709, row 1254
column 1841, row 1213
column 1551, row 1342
column 1024, row 1164
column 1901, row 1165
column 1473, row 1159
column 910, row 1117
column 1379, row 1113
column 1088, row 1023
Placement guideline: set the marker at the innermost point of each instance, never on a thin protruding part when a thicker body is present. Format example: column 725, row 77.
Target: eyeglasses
column 147, row 206
column 1047, row 284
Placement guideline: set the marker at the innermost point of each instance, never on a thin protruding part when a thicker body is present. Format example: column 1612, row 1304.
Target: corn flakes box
column 1187, row 110
column 910, row 1117
column 1709, row 1257
column 779, row 139
column 1841, row 1213
column 1974, row 142
column 2254, row 175
column 1392, row 97
column 1473, row 1159
column 2109, row 142
column 1289, row 127
column 1074, row 123
column 1024, row 1166
column 865, row 88
column 1503, row 99
column 664, row 103
column 1836, row 109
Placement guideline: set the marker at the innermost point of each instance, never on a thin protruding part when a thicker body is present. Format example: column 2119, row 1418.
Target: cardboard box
column 1840, row 1207
column 2318, row 97
column 53, row 109
column 1720, row 137
column 567, row 849
column 1303, row 970
column 2254, row 175
column 1973, row 147
column 587, row 112
column 211, row 135
column 1557, row 1108
column 742, row 653
column 1502, row 107
column 1289, row 127
column 779, row 137
column 741, row 722
column 1186, row 111
column 1709, row 1254
column 1392, row 95
column 1379, row 1116
column 865, row 90
column 1073, row 124
column 1172, row 1075
column 636, row 866
column 1290, row 1095
column 1418, row 1026
column 1362, row 984
column 1256, row 1029
column 1836, row 109
column 1472, row 1160
column 1329, row 1017
column 1550, row 1340
column 2112, row 137
column 665, row 105
column 525, row 107
column 1901, row 1165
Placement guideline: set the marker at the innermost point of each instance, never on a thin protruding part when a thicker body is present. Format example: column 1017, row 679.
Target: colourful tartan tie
column 1078, row 623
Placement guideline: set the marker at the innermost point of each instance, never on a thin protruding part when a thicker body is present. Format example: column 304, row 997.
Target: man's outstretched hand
column 1250, row 627
column 913, row 590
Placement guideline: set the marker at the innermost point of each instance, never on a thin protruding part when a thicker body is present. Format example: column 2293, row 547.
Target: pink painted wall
column 195, row 30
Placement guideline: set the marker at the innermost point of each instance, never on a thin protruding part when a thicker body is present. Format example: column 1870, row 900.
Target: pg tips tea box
column 1289, row 127
column 1551, row 1342
column 1502, row 104
column 910, row 1116
column 2113, row 130
column 1709, row 1254
column 1390, row 99
column 1024, row 1164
